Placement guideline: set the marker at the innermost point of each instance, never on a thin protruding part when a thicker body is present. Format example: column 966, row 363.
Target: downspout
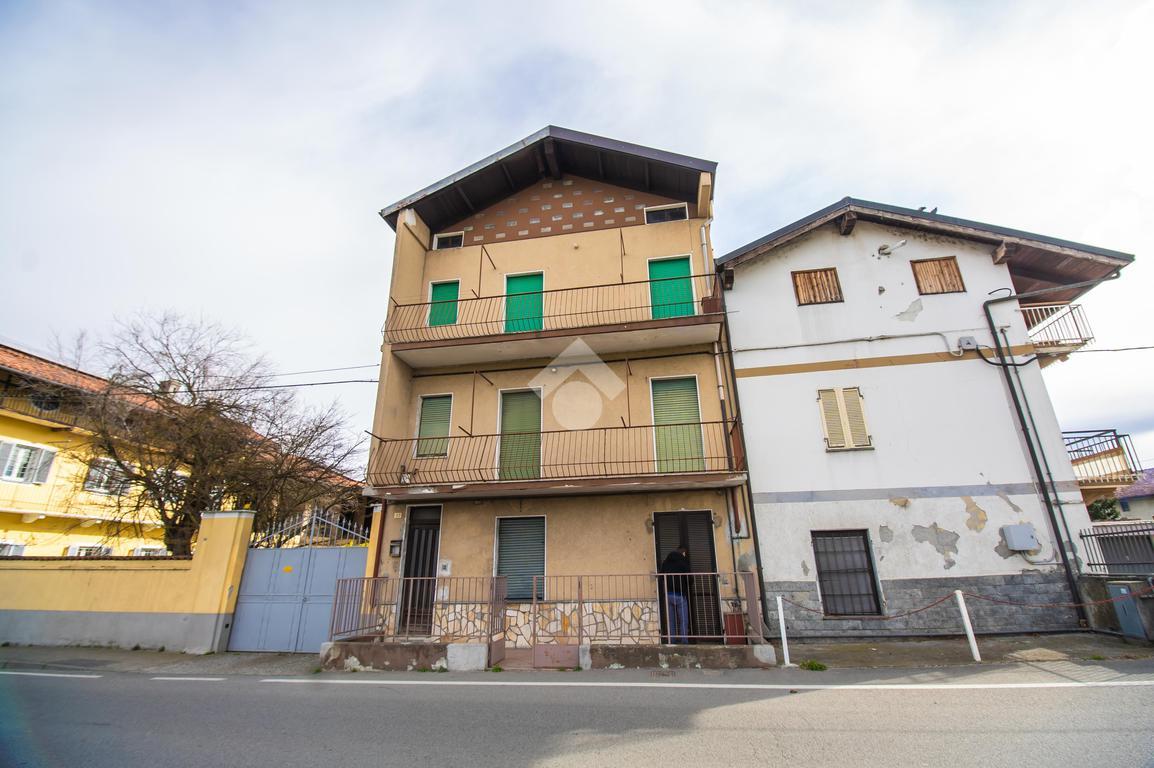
column 1028, row 433
column 749, row 507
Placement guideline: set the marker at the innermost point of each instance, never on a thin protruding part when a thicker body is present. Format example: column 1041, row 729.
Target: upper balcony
column 1057, row 329
column 1102, row 458
column 611, row 318
column 558, row 462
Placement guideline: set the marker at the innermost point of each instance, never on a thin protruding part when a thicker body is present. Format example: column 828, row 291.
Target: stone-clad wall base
column 187, row 632
column 681, row 656
column 901, row 595
column 355, row 655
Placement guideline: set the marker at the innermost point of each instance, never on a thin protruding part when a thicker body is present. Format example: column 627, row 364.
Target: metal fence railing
column 1057, row 325
column 1119, row 549
column 1102, row 457
column 696, row 447
column 563, row 308
column 311, row 529
column 442, row 608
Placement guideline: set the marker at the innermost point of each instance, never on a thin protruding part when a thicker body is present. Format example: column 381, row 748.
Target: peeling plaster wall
column 948, row 466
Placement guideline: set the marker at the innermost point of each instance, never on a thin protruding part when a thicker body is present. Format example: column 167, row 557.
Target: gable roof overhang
column 553, row 152
column 1035, row 261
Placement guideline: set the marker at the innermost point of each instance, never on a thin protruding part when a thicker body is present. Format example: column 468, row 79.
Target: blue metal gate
column 286, row 597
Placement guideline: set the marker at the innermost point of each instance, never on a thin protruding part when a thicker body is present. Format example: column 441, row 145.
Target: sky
column 227, row 160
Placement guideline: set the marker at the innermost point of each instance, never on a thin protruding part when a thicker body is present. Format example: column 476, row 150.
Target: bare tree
column 191, row 420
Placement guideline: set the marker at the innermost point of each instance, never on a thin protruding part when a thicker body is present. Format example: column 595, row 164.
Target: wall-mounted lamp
column 887, row 249
column 395, row 548
column 649, row 524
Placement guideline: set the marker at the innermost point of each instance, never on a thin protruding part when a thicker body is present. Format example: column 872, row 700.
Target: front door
column 420, row 570
column 695, row 531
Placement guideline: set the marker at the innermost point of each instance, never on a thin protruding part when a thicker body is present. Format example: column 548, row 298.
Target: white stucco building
column 886, row 459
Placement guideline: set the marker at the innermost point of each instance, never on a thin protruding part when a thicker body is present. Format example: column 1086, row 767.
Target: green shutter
column 443, row 309
column 670, row 288
column 433, row 430
column 521, row 555
column 676, row 420
column 523, row 303
column 520, row 436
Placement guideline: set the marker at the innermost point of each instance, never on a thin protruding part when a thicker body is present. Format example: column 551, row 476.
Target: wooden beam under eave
column 551, row 159
column 468, row 202
column 1001, row 253
column 845, row 223
column 705, row 196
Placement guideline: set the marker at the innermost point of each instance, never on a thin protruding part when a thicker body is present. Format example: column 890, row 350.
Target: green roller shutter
column 520, row 436
column 433, row 430
column 670, row 288
column 676, row 420
column 521, row 555
column 523, row 303
column 443, row 309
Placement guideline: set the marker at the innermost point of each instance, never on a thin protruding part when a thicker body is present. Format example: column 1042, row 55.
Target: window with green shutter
column 524, row 304
column 521, row 555
column 433, row 428
column 670, row 288
column 520, row 449
column 677, row 425
column 443, row 303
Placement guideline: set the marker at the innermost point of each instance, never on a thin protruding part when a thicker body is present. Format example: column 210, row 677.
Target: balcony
column 1102, row 458
column 615, row 317
column 559, row 462
column 42, row 407
column 1057, row 329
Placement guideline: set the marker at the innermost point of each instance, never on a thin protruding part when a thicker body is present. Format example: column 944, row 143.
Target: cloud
column 228, row 159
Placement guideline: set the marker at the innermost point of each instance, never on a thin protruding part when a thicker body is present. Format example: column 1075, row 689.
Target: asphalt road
column 1026, row 715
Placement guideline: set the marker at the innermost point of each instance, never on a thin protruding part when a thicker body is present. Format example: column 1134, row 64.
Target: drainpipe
column 1024, row 423
column 749, row 508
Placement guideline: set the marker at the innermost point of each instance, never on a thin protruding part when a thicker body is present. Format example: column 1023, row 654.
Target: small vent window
column 658, row 214
column 843, row 419
column 448, row 240
column 938, row 276
column 817, row 286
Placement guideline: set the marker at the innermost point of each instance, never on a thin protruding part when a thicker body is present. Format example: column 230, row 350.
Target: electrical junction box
column 1020, row 537
column 967, row 342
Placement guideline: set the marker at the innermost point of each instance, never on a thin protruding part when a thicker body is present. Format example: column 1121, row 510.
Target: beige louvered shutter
column 831, row 418
column 855, row 417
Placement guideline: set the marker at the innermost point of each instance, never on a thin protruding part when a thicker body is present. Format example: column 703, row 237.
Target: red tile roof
column 54, row 373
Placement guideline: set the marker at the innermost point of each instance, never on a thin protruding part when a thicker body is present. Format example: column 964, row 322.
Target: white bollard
column 784, row 639
column 966, row 623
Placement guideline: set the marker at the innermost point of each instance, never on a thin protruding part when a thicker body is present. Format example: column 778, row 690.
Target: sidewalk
column 877, row 654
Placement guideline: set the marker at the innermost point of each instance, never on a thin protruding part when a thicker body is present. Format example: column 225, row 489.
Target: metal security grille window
column 938, row 276
column 521, row 555
column 843, row 419
column 845, row 573
column 817, row 286
column 659, row 214
column 25, row 463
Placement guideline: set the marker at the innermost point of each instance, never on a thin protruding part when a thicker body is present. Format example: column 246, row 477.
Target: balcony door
column 524, row 304
column 677, row 425
column 520, row 443
column 670, row 287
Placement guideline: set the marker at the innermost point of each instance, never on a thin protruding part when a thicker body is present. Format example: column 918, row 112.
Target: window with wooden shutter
column 677, row 425
column 843, row 419
column 521, row 555
column 433, row 425
column 520, row 446
column 25, row 463
column 817, row 286
column 938, row 275
column 443, row 302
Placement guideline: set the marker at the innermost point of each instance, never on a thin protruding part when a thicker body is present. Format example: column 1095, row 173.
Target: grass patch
column 813, row 666
column 496, row 668
column 1096, row 657
column 316, row 670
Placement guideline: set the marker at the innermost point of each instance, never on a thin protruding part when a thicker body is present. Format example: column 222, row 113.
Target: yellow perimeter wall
column 151, row 602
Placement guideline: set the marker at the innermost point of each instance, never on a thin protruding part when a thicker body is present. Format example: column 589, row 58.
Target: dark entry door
column 420, row 570
column 695, row 531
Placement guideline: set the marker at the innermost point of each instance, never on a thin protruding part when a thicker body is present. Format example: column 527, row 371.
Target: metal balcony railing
column 1102, row 457
column 1057, row 325
column 560, row 309
column 49, row 407
column 697, row 447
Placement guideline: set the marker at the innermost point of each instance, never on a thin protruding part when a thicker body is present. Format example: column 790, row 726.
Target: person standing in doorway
column 673, row 570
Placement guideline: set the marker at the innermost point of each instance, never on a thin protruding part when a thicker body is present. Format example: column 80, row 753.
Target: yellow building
column 52, row 502
column 554, row 397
